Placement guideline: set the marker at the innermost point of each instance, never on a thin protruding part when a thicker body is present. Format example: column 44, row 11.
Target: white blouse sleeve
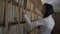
column 38, row 23
column 27, row 19
column 35, row 23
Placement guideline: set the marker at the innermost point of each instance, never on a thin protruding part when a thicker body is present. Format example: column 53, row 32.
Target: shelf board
column 13, row 2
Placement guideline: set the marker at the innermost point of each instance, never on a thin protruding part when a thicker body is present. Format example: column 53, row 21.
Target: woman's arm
column 27, row 19
column 35, row 23
column 38, row 23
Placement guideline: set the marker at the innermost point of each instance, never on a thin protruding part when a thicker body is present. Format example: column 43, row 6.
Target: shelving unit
column 13, row 15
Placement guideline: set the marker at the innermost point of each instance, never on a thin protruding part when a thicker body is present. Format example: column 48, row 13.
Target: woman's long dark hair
column 48, row 10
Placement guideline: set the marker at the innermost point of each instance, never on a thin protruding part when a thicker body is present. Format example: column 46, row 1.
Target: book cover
column 10, row 12
column 29, row 4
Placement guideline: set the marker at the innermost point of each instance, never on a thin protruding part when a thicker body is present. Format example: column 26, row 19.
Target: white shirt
column 48, row 22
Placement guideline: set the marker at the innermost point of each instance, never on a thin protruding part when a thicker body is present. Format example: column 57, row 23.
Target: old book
column 17, row 12
column 29, row 14
column 1, row 10
column 22, row 2
column 10, row 12
column 36, row 9
column 21, row 14
column 29, row 4
column 14, row 13
column 32, row 6
column 36, row 17
column 33, row 16
column 36, row 32
column 25, row 4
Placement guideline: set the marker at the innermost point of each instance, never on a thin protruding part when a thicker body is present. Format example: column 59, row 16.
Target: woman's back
column 49, row 22
column 49, row 25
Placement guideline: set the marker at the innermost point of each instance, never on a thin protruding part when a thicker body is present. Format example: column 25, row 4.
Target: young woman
column 47, row 23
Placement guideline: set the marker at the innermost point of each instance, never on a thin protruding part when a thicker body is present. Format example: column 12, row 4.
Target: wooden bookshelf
column 13, row 13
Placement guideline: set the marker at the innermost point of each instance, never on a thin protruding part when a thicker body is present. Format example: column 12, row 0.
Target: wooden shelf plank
column 15, row 3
